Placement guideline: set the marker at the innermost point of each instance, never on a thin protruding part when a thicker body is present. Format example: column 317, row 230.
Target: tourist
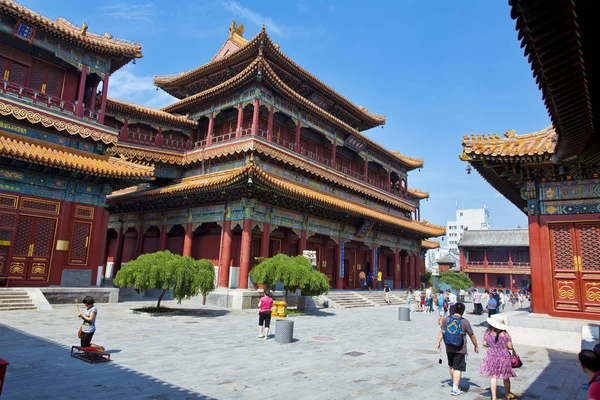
column 386, row 291
column 478, row 309
column 590, row 363
column 492, row 306
column 417, row 295
column 502, row 301
column 264, row 313
column 442, row 306
column 429, row 296
column 369, row 280
column 513, row 300
column 484, row 299
column 409, row 299
column 362, row 278
column 521, row 297
column 88, row 328
column 451, row 301
column 496, row 362
column 454, row 327
column 379, row 280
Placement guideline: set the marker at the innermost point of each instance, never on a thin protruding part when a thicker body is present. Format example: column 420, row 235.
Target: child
column 264, row 313
column 409, row 299
column 386, row 291
column 88, row 328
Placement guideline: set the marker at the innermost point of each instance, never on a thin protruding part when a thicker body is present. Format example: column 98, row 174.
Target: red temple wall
column 70, row 87
column 207, row 246
column 175, row 244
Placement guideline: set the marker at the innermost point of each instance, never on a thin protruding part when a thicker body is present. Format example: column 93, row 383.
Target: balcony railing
column 316, row 157
column 498, row 264
column 142, row 138
column 223, row 138
column 45, row 100
column 349, row 172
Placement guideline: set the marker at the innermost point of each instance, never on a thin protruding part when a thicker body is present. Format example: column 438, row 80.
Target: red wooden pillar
column 297, row 144
column 255, row 114
column 374, row 265
column 487, row 285
column 510, row 276
column 302, row 242
column 245, row 254
column 159, row 137
column 162, row 241
column 225, row 255
column 539, row 251
column 139, row 244
column 119, row 251
column 81, row 91
column 397, row 269
column 187, row 240
column 211, row 126
column 124, row 132
column 240, row 120
column 389, row 181
column 366, row 169
column 485, row 261
column 103, row 99
column 270, row 124
column 339, row 281
column 333, row 154
column 265, row 240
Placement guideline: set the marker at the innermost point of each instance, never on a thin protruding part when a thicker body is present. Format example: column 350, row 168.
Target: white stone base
column 244, row 298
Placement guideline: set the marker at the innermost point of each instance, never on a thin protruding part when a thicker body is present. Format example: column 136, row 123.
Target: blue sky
column 438, row 70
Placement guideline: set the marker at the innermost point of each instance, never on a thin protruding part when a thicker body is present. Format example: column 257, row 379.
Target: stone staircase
column 347, row 299
column 379, row 298
column 15, row 299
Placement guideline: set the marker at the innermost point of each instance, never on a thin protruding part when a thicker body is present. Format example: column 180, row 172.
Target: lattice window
column 37, row 75
column 8, row 201
column 54, row 81
column 5, row 239
column 84, row 212
column 44, row 236
column 13, row 54
column 562, row 246
column 8, row 220
column 80, row 242
column 22, row 238
column 589, row 236
column 17, row 73
column 40, row 206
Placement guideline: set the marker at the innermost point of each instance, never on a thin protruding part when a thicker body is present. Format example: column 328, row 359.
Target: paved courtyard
column 213, row 353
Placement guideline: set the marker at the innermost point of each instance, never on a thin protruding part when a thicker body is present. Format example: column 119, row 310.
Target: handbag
column 515, row 360
column 79, row 332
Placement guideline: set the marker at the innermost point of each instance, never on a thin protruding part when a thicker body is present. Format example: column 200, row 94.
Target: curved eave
column 148, row 113
column 418, row 194
column 429, row 244
column 66, row 31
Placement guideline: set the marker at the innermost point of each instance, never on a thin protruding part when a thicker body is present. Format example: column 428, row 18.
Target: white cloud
column 137, row 12
column 126, row 85
column 252, row 16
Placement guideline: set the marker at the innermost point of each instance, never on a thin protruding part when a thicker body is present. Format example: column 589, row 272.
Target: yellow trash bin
column 279, row 309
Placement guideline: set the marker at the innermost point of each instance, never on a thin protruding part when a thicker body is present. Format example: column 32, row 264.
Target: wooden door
column 565, row 282
column 350, row 269
column 588, row 264
column 32, row 249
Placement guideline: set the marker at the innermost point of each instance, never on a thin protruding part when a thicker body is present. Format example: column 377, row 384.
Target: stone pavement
column 213, row 353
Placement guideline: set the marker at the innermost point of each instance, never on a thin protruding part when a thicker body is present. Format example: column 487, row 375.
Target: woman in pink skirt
column 496, row 362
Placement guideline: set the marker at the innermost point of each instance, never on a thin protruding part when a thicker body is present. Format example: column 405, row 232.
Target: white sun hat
column 498, row 322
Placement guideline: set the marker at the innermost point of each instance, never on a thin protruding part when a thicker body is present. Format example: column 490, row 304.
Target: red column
column 240, row 120
column 302, row 242
column 211, row 125
column 538, row 250
column 366, row 169
column 139, row 245
column 339, row 281
column 255, row 114
column 389, row 181
column 159, row 137
column 81, row 91
column 397, row 269
column 511, row 282
column 265, row 240
column 187, row 240
column 485, row 261
column 162, row 241
column 119, row 252
column 510, row 263
column 225, row 255
column 487, row 285
column 297, row 144
column 125, row 131
column 333, row 152
column 373, row 266
column 103, row 99
column 245, row 254
column 270, row 124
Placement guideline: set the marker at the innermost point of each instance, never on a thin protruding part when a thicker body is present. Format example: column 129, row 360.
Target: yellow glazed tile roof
column 429, row 244
column 39, row 152
column 151, row 113
column 79, row 35
column 492, row 146
column 419, row 194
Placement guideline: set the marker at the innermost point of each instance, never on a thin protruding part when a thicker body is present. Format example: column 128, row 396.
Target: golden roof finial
column 510, row 134
column 233, row 28
column 84, row 29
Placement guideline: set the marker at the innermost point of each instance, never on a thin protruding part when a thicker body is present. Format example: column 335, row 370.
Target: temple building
column 554, row 175
column 55, row 172
column 496, row 258
column 260, row 157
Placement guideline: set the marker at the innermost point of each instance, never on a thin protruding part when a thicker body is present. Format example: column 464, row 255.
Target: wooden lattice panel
column 8, row 220
column 84, row 212
column 49, row 207
column 562, row 246
column 8, row 201
column 80, row 242
column 589, row 238
column 22, row 237
column 44, row 236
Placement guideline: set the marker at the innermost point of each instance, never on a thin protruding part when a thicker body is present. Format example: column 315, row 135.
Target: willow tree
column 166, row 271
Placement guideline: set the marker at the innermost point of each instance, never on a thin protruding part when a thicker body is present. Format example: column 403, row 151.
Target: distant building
column 496, row 257
column 448, row 262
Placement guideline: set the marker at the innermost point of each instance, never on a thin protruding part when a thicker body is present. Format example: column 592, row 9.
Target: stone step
column 11, row 294
column 16, row 301
column 16, row 308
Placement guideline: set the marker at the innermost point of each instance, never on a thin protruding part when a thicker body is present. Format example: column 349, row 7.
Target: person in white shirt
column 451, row 301
column 417, row 294
column 502, row 301
column 428, row 299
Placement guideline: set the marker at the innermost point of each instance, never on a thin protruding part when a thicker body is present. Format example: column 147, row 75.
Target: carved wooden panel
column 80, row 241
column 7, row 201
column 23, row 236
column 50, row 207
column 8, row 220
column 43, row 238
column 565, row 280
column 589, row 244
column 84, row 212
column 562, row 246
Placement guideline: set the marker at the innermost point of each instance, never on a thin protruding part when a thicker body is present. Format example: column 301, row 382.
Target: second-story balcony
column 498, row 264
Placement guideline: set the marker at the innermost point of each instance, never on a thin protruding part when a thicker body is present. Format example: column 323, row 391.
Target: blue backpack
column 453, row 335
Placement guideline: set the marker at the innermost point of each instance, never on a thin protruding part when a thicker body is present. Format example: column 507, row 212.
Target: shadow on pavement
column 185, row 312
column 43, row 369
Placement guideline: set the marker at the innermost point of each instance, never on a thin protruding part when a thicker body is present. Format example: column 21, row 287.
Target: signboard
column 312, row 257
column 354, row 143
column 365, row 229
column 342, row 259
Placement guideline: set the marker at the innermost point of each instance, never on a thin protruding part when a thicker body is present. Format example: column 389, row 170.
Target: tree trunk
column 286, row 294
column 203, row 299
column 160, row 298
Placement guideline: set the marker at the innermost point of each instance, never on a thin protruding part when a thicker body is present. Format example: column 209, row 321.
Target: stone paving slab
column 213, row 353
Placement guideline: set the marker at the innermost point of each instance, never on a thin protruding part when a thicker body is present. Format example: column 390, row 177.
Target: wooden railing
column 315, row 157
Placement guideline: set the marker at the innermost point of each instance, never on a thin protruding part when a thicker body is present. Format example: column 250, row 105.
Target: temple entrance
column 32, row 249
column 575, row 258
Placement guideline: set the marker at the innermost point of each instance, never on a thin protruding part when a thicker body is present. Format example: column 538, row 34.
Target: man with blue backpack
column 453, row 331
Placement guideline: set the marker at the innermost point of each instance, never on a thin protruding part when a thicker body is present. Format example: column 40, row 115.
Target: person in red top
column 264, row 313
column 590, row 363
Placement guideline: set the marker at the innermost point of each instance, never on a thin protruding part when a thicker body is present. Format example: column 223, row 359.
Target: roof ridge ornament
column 236, row 29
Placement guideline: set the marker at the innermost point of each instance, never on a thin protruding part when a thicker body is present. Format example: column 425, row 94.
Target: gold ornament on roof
column 510, row 134
column 84, row 29
column 233, row 28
